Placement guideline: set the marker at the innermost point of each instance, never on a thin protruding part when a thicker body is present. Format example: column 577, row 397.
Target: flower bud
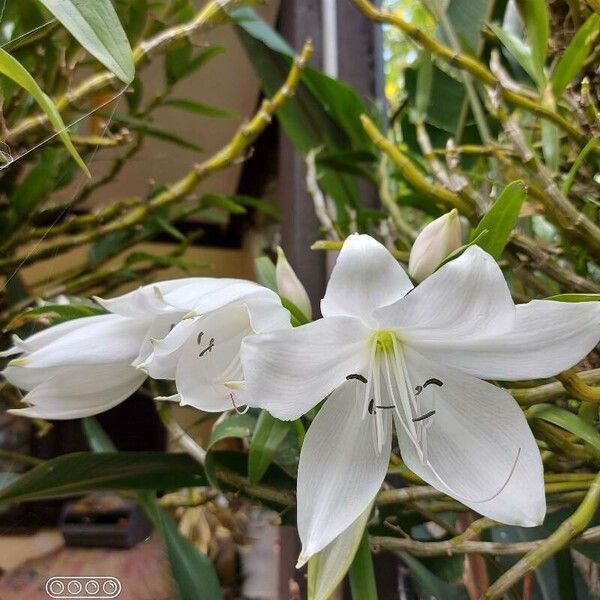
column 289, row 286
column 439, row 239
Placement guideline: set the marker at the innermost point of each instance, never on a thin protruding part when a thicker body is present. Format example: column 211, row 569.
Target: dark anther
column 418, row 390
column 425, row 416
column 371, row 406
column 200, row 337
column 379, row 406
column 357, row 376
column 172, row 327
column 208, row 348
column 433, row 381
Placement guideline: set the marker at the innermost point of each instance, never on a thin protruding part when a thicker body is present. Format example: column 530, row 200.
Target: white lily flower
column 382, row 355
column 86, row 366
column 436, row 242
column 202, row 352
column 77, row 368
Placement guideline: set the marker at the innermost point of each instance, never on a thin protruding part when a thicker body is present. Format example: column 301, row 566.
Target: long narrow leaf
column 13, row 69
column 95, row 25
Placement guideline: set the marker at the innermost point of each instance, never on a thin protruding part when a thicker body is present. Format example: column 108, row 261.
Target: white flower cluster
column 384, row 356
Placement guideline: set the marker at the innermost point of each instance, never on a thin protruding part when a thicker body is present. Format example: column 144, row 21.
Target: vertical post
column 299, row 226
column 358, row 64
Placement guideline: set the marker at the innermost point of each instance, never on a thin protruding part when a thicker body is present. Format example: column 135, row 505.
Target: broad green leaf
column 236, row 426
column 199, row 108
column 575, row 297
column 193, row 573
column 268, row 435
column 501, row 219
column 430, row 585
column 521, row 52
column 95, row 25
column 13, row 69
column 573, row 58
column 265, row 270
column 81, row 472
column 53, row 314
column 327, row 568
column 566, row 420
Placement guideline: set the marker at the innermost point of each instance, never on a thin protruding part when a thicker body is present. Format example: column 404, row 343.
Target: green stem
column 362, row 574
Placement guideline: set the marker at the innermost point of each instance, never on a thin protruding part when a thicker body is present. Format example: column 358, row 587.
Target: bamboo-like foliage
column 499, row 127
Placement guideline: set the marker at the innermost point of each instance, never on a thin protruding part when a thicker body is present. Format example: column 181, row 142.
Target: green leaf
column 478, row 240
column 323, row 112
column 53, row 314
column 501, row 219
column 199, row 108
column 95, row 25
column 39, row 182
column 218, row 201
column 82, row 472
column 573, row 58
column 568, row 421
column 237, row 426
column 520, row 51
column 193, row 572
column 538, row 33
column 575, row 297
column 298, row 317
column 551, row 145
column 362, row 574
column 570, row 178
column 268, row 435
column 180, row 63
column 153, row 131
column 430, row 585
column 327, row 568
column 265, row 270
column 13, row 69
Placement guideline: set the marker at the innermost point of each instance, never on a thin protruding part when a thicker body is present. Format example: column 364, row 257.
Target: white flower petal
column 162, row 361
column 145, row 300
column 340, row 472
column 76, row 392
column 207, row 294
column 327, row 568
column 97, row 340
column 547, row 337
column 480, row 449
column 466, row 298
column 365, row 277
column 50, row 334
column 210, row 358
column 290, row 371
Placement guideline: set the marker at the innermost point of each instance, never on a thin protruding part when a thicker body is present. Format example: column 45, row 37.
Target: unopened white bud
column 439, row 239
column 289, row 286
